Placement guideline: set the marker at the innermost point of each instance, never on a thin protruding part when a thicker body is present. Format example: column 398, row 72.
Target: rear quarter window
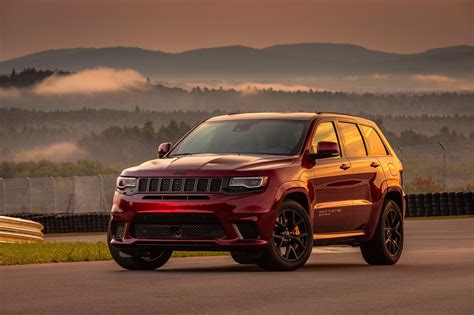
column 375, row 145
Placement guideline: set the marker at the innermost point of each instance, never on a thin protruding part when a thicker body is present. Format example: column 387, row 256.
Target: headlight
column 249, row 182
column 128, row 183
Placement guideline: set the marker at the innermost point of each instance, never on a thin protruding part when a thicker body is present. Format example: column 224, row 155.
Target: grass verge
column 21, row 254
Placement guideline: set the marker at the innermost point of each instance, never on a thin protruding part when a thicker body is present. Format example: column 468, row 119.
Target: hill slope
column 239, row 62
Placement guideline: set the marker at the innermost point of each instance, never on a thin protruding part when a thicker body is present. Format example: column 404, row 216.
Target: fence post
column 4, row 196
column 53, row 184
column 101, row 179
column 30, row 203
column 76, row 201
column 401, row 151
column 444, row 166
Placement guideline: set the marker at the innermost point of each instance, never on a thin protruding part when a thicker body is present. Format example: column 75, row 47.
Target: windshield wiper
column 181, row 154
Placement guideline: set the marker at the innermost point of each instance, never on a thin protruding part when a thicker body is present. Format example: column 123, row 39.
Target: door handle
column 374, row 164
column 344, row 166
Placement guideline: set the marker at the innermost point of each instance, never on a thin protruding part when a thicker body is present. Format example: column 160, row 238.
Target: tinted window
column 374, row 143
column 325, row 132
column 279, row 137
column 353, row 143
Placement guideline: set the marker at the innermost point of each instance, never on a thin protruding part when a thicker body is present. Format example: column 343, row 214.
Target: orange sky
column 28, row 26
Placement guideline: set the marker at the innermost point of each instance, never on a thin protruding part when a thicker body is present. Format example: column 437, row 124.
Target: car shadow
column 313, row 267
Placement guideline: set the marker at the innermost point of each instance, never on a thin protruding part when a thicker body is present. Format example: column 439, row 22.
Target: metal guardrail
column 14, row 230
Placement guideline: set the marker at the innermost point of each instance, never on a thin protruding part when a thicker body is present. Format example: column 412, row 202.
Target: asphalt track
column 434, row 276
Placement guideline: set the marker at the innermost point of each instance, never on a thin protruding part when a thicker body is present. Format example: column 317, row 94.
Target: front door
column 332, row 185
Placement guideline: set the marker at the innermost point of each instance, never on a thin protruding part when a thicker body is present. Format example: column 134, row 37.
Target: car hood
column 211, row 162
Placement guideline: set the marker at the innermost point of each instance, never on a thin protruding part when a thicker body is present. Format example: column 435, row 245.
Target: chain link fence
column 437, row 167
column 428, row 168
column 57, row 194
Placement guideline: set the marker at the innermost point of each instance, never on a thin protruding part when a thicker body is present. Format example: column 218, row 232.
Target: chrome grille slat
column 174, row 185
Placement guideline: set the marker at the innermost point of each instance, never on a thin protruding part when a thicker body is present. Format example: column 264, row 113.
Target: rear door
column 332, row 184
column 367, row 174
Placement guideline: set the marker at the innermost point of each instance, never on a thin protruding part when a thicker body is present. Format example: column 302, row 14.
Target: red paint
column 341, row 194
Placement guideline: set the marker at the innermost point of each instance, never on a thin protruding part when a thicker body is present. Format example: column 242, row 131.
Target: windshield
column 275, row 137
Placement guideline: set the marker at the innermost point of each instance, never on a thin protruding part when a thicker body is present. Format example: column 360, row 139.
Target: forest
column 27, row 77
column 164, row 97
column 39, row 139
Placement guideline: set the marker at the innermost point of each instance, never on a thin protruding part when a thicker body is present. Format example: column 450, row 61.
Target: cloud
column 90, row 81
column 434, row 78
column 58, row 152
column 380, row 76
column 9, row 93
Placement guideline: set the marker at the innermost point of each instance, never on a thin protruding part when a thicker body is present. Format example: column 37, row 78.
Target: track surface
column 435, row 276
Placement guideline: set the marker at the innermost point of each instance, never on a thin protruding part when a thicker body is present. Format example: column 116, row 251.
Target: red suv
column 265, row 186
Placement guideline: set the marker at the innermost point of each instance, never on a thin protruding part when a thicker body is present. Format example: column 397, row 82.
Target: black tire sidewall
column 391, row 205
column 271, row 260
column 375, row 251
column 136, row 263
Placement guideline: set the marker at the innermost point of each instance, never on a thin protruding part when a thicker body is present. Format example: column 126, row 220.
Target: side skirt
column 338, row 238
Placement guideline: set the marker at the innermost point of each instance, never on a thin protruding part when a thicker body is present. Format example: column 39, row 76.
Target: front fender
column 295, row 186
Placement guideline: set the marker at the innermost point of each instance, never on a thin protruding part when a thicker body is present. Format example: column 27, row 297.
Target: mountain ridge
column 243, row 62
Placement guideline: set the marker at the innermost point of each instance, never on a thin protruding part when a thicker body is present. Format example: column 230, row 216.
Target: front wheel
column 292, row 239
column 386, row 246
column 150, row 261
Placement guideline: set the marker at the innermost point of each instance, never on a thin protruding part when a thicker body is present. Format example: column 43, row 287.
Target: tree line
column 27, row 77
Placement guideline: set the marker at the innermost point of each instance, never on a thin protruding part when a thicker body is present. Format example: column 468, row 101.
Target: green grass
column 21, row 254
column 441, row 217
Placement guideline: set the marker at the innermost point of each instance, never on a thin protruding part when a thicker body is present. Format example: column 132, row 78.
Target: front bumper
column 229, row 210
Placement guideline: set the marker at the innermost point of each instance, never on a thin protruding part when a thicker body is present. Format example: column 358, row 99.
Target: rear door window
column 375, row 145
column 353, row 143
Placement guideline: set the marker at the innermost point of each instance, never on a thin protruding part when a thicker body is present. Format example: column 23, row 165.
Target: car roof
column 258, row 116
column 286, row 116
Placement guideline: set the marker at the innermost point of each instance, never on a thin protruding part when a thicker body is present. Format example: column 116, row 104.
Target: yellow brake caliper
column 296, row 231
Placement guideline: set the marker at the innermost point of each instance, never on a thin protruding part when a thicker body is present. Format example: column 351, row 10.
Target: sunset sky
column 28, row 26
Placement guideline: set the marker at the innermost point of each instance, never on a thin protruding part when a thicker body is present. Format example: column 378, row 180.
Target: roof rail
column 336, row 113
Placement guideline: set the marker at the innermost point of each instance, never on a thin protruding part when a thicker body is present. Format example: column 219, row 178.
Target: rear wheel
column 149, row 261
column 386, row 246
column 292, row 239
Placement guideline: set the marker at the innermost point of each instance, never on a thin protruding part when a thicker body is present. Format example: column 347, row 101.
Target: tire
column 377, row 251
column 138, row 263
column 245, row 258
column 292, row 234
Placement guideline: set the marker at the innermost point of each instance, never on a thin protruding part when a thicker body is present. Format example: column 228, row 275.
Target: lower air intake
column 248, row 230
column 178, row 231
column 117, row 229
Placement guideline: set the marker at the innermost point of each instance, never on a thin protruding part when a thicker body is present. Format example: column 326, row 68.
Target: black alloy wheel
column 290, row 235
column 292, row 239
column 393, row 237
column 386, row 246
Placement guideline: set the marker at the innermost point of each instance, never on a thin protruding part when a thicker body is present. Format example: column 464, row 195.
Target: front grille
column 183, row 226
column 176, row 197
column 180, row 184
column 179, row 231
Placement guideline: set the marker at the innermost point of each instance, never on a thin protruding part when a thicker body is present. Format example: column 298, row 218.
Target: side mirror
column 325, row 149
column 163, row 149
